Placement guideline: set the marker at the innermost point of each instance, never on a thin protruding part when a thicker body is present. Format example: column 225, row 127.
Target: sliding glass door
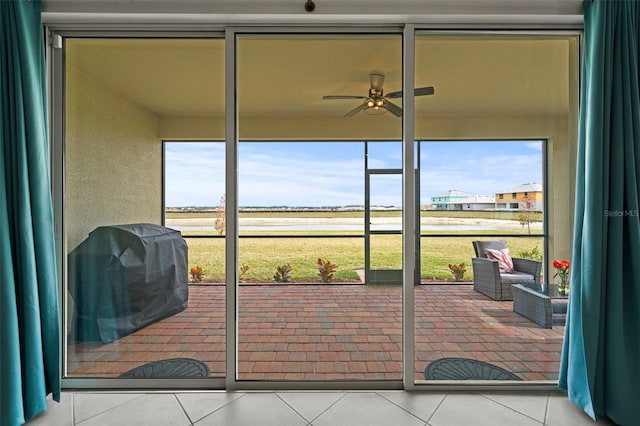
column 493, row 146
column 135, row 306
column 306, row 308
column 237, row 208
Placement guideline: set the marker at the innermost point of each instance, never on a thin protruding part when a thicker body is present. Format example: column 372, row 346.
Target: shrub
column 326, row 270
column 282, row 274
column 458, row 270
column 534, row 254
column 242, row 272
column 197, row 273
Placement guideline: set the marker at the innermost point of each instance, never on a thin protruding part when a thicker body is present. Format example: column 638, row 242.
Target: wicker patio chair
column 490, row 281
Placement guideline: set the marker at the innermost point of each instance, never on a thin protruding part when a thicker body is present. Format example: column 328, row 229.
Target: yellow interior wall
column 113, row 160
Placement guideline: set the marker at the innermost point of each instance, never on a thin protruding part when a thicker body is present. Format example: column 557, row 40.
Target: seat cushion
column 516, row 276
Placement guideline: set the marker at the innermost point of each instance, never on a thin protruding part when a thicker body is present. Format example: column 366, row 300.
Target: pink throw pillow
column 505, row 263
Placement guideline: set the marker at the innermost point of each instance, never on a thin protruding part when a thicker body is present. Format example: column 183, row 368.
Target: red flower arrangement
column 562, row 271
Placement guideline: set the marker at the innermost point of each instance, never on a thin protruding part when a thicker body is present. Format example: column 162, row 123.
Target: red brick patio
column 332, row 332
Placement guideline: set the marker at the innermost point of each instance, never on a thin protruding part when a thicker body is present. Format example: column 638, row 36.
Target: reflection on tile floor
column 302, row 408
column 333, row 332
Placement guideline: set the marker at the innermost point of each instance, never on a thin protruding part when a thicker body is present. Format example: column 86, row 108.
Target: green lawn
column 263, row 256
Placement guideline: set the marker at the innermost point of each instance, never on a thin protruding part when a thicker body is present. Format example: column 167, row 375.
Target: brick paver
column 332, row 332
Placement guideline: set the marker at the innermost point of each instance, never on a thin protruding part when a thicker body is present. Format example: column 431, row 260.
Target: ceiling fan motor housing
column 376, row 80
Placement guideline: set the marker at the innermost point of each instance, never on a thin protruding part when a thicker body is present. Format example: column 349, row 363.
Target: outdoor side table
column 538, row 302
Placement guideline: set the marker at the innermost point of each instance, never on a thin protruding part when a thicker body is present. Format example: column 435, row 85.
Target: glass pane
column 385, row 197
column 386, row 252
column 440, row 252
column 385, row 228
column 132, row 297
column 384, row 155
column 494, row 186
column 194, row 187
column 194, row 204
column 493, row 167
column 304, row 311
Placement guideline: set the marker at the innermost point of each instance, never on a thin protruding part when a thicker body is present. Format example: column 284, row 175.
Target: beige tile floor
column 317, row 408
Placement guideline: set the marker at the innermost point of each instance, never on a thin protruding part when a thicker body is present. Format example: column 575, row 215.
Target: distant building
column 443, row 201
column 459, row 200
column 525, row 196
column 473, row 202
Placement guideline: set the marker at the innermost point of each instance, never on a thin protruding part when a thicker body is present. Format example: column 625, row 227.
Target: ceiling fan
column 377, row 102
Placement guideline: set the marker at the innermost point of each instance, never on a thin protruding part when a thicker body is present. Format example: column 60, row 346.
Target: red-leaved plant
column 196, row 274
column 326, row 270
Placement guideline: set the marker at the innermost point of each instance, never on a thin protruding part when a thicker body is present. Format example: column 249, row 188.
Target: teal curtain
column 29, row 312
column 600, row 365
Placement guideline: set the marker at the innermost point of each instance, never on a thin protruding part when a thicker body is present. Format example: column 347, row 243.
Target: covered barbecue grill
column 125, row 277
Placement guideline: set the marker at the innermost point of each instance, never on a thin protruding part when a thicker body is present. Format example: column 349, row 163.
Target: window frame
column 55, row 66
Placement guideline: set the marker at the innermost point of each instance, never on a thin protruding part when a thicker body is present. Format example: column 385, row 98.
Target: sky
column 317, row 174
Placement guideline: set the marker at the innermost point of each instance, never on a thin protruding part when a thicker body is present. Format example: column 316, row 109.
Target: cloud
column 194, row 173
column 481, row 168
column 332, row 173
column 302, row 174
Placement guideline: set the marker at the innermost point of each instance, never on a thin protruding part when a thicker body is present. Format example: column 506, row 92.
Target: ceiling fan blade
column 420, row 91
column 392, row 95
column 355, row 110
column 394, row 109
column 343, row 97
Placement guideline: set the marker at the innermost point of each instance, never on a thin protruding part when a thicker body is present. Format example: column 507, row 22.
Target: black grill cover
column 125, row 277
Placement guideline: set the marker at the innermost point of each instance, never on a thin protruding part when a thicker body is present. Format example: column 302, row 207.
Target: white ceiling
column 288, row 75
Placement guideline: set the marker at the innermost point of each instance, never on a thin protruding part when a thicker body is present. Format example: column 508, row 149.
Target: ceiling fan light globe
column 375, row 110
